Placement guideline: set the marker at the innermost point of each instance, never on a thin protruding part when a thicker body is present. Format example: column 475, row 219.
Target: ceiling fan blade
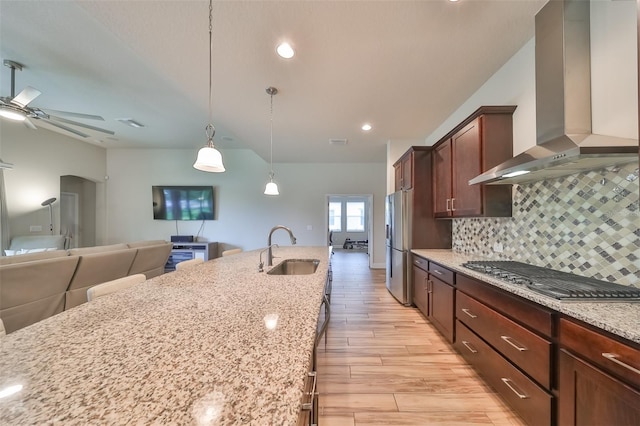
column 27, row 95
column 28, row 123
column 68, row 129
column 75, row 114
column 86, row 126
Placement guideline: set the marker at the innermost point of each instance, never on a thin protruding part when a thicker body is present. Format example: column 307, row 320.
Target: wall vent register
column 559, row 285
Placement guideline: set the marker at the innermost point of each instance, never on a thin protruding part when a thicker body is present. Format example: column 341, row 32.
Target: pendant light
column 209, row 158
column 272, row 187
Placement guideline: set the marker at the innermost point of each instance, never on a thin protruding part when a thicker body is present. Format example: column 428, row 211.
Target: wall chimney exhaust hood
column 565, row 142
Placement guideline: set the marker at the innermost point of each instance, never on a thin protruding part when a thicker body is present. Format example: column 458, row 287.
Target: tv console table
column 186, row 251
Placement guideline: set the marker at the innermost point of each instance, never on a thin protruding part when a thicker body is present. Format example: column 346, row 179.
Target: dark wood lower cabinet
column 420, row 278
column 442, row 307
column 589, row 396
column 528, row 399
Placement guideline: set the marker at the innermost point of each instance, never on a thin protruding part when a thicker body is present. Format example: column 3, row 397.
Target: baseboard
column 379, row 266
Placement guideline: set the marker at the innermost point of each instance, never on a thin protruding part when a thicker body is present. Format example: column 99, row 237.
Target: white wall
column 613, row 74
column 40, row 157
column 244, row 215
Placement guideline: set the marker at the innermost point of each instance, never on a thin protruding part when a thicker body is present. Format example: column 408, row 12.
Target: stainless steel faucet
column 269, row 252
column 261, row 265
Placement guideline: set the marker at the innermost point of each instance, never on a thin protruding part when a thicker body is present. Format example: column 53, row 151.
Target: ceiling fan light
column 271, row 189
column 12, row 114
column 209, row 160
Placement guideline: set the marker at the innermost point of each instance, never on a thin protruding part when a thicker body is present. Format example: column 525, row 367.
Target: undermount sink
column 295, row 267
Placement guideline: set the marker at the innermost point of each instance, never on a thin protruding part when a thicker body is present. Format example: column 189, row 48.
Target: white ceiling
column 403, row 66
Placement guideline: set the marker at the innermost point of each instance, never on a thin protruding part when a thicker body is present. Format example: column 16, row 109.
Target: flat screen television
column 183, row 202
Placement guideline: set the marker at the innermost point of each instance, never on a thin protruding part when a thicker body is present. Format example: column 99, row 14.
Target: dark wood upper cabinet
column 404, row 171
column 482, row 141
column 413, row 173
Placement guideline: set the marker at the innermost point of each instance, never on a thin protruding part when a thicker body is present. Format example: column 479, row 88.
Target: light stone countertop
column 187, row 347
column 619, row 318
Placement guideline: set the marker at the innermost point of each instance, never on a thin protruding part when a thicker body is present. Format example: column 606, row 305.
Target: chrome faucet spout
column 269, row 252
column 261, row 265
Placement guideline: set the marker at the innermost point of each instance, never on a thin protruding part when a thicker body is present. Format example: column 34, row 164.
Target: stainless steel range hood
column 565, row 143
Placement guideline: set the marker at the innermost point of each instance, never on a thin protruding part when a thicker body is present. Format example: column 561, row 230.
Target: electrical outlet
column 35, row 228
column 497, row 247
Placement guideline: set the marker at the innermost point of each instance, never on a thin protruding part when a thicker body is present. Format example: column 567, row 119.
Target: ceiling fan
column 15, row 107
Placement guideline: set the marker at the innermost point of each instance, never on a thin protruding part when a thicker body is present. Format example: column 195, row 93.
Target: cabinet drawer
column 525, row 349
column 441, row 273
column 530, row 401
column 619, row 359
column 535, row 316
column 421, row 263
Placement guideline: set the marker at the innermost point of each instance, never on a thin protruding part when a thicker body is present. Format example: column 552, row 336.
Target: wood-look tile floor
column 384, row 364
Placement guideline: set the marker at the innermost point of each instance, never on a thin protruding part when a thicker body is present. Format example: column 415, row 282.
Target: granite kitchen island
column 219, row 343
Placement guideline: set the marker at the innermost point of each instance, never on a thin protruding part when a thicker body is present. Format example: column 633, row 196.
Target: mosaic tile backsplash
column 587, row 224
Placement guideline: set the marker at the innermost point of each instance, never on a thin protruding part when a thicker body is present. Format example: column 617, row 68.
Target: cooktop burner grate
column 556, row 284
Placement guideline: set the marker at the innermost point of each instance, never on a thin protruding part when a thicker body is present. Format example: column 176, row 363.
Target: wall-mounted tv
column 183, row 202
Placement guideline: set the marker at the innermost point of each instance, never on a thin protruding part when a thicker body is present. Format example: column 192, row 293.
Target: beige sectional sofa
column 36, row 285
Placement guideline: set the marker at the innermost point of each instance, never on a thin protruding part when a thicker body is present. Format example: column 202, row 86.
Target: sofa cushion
column 146, row 243
column 97, row 268
column 32, row 291
column 97, row 249
column 20, row 258
column 151, row 259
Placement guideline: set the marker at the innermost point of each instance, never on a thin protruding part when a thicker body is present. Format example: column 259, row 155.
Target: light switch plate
column 35, row 228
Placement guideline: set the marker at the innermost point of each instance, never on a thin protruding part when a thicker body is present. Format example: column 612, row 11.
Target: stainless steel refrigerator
column 398, row 236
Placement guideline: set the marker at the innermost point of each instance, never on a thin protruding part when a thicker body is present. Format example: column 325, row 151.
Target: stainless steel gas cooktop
column 556, row 284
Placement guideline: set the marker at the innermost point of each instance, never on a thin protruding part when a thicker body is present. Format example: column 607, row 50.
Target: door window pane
column 335, row 217
column 355, row 216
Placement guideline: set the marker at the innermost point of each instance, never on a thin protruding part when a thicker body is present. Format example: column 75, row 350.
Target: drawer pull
column 513, row 389
column 510, row 341
column 468, row 346
column 307, row 406
column 437, row 272
column 466, row 311
column 614, row 358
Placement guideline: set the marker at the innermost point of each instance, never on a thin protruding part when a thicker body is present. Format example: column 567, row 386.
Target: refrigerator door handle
column 387, row 231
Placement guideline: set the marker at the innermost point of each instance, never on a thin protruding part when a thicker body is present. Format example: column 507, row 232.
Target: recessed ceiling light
column 285, row 50
column 366, row 127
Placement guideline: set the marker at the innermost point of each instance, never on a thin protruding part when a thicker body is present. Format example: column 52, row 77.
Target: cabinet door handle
column 614, row 358
column 448, row 207
column 453, row 209
column 308, row 406
column 466, row 311
column 429, row 286
column 508, row 382
column 468, row 346
column 510, row 341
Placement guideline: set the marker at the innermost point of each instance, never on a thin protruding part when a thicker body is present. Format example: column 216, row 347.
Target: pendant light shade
column 209, row 158
column 272, row 187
